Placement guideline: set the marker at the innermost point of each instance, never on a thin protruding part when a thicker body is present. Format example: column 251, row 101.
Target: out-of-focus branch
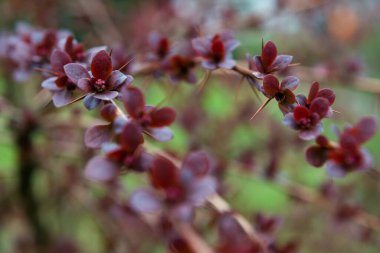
column 102, row 23
column 221, row 206
column 310, row 74
column 192, row 238
column 313, row 197
column 27, row 167
column 23, row 126
column 361, row 83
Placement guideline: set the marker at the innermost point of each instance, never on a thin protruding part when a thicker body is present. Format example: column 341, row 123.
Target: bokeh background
column 336, row 42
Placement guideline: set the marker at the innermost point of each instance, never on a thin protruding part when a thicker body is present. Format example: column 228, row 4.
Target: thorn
column 294, row 64
column 76, row 100
column 261, row 108
column 262, row 43
column 47, row 71
column 335, row 111
column 111, row 50
column 127, row 63
column 255, row 91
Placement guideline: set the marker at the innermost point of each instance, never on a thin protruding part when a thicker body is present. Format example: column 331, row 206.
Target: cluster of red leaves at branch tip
column 348, row 154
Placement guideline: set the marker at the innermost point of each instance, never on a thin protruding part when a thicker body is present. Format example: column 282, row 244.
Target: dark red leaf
column 101, row 65
column 163, row 174
column 217, row 48
column 314, row 89
column 131, row 137
column 322, row 141
column 290, row 98
column 301, row 112
column 271, row 85
column 269, row 53
column 109, row 112
column 162, row 117
column 316, row 156
column 134, row 101
column 58, row 59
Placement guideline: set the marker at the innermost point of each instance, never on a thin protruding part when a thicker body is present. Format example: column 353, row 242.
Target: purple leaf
column 100, row 169
column 106, row 95
column 227, row 64
column 116, row 79
column 76, row 71
column 231, row 44
column 311, row 133
column 281, row 62
column 95, row 136
column 334, row 170
column 85, row 84
column 62, row 98
column 201, row 45
column 145, row 201
column 366, row 128
column 197, row 162
column 50, row 84
column 301, row 99
column 289, row 121
column 161, row 134
column 201, row 190
column 58, row 59
column 290, row 82
column 90, row 102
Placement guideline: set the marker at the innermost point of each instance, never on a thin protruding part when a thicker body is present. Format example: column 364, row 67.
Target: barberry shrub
column 136, row 187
